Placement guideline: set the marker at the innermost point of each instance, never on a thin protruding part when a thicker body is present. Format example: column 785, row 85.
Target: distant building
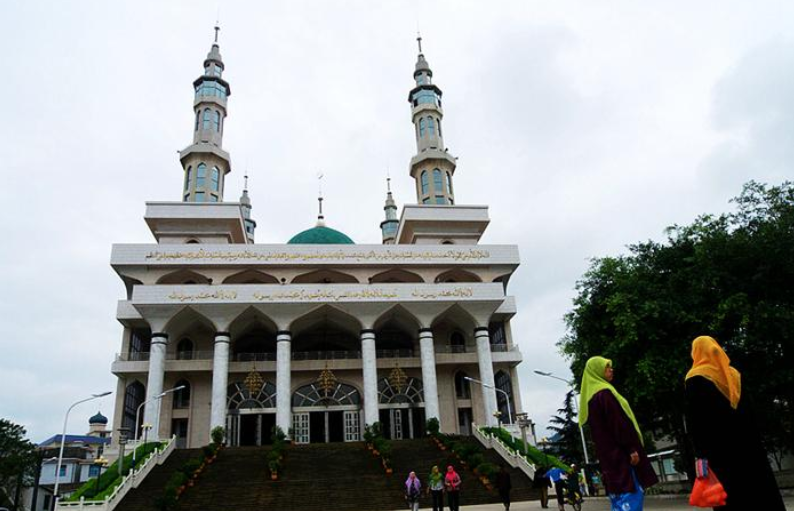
column 319, row 336
column 77, row 465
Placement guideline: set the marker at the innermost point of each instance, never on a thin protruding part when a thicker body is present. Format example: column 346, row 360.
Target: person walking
column 413, row 489
column 435, row 487
column 724, row 434
column 557, row 477
column 452, row 486
column 504, row 486
column 625, row 468
column 541, row 482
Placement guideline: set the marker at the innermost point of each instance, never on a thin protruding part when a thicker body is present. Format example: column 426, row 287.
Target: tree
column 567, row 443
column 17, row 459
column 729, row 276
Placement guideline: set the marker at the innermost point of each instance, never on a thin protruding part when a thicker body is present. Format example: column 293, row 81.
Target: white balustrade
column 511, row 457
column 131, row 480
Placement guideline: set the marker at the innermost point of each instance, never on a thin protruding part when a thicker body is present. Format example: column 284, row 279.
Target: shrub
column 433, row 426
column 487, row 469
column 217, row 434
column 110, row 477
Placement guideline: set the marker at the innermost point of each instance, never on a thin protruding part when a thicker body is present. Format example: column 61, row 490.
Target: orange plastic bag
column 708, row 492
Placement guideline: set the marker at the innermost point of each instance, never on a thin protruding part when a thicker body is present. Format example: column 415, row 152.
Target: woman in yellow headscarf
column 723, row 431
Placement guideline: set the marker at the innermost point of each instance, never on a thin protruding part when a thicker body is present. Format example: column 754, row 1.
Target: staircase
column 315, row 477
column 144, row 497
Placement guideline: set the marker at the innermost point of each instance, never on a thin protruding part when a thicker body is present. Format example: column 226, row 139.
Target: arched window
column 218, row 70
column 431, row 127
column 424, row 182
column 215, row 178
column 462, row 388
column 438, row 121
column 313, row 395
column 438, row 182
column 411, row 392
column 449, row 183
column 241, row 397
column 503, row 383
column 457, row 342
column 184, row 350
column 182, row 396
column 201, row 175
column 187, row 178
column 422, row 127
column 198, row 116
column 207, row 120
column 133, row 397
column 217, row 121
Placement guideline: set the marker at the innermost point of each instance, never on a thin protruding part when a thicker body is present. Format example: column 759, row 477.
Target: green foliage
column 217, row 434
column 569, row 443
column 110, row 476
column 488, row 470
column 433, row 426
column 730, row 277
column 534, row 455
column 17, row 457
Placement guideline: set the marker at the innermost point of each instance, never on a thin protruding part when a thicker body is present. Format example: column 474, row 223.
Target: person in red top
column 452, row 485
column 626, row 471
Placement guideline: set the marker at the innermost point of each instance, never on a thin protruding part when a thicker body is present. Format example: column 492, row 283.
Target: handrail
column 513, row 458
column 131, row 480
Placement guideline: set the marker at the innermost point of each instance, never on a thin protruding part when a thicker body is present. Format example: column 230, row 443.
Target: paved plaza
column 601, row 504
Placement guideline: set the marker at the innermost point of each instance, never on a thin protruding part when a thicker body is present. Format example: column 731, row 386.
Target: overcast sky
column 585, row 126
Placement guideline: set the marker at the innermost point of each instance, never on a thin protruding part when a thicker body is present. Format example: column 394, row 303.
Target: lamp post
column 138, row 415
column 523, row 423
column 101, row 463
column 488, row 386
column 63, row 441
column 576, row 410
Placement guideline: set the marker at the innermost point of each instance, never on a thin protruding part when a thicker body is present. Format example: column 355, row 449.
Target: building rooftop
column 321, row 235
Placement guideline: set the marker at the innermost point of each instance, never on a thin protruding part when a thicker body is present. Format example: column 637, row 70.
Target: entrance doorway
column 323, row 416
column 255, row 428
column 179, row 429
column 402, row 423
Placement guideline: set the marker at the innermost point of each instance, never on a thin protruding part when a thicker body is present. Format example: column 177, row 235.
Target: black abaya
column 729, row 440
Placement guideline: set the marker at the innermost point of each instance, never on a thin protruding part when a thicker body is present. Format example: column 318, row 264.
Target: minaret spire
column 320, row 217
column 204, row 162
column 432, row 167
column 245, row 209
column 388, row 227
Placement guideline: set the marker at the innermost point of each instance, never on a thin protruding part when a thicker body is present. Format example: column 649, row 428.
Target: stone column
column 284, row 380
column 369, row 363
column 485, row 362
column 220, row 380
column 429, row 381
column 154, row 386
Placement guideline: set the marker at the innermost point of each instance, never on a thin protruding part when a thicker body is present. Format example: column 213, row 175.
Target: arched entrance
column 251, row 415
column 401, row 409
column 330, row 414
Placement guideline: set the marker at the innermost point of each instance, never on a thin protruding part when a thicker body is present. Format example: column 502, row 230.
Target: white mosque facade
column 319, row 336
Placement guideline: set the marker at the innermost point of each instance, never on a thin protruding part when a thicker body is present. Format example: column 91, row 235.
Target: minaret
column 204, row 162
column 245, row 208
column 433, row 167
column 389, row 226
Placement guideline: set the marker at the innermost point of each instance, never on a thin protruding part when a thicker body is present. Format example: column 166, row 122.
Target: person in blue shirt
column 557, row 476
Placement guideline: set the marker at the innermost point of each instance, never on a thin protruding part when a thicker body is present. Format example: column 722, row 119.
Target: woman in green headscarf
column 617, row 436
column 435, row 487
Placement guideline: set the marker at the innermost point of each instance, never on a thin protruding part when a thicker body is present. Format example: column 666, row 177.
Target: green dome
column 320, row 235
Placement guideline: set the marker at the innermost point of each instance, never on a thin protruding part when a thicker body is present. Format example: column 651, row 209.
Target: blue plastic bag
column 628, row 501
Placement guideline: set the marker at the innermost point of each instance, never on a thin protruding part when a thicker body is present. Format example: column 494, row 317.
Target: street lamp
column 63, row 440
column 489, row 386
column 138, row 414
column 576, row 410
column 101, row 463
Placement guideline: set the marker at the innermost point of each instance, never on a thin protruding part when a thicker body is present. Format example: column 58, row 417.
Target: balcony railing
column 310, row 355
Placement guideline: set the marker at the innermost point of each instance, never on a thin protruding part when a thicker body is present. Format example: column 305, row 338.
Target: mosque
column 319, row 336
